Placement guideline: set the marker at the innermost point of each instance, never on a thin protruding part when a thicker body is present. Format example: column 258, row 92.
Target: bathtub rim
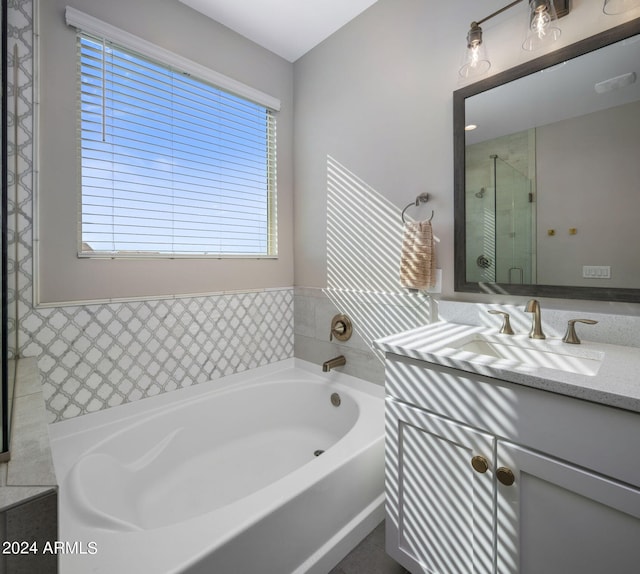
column 124, row 413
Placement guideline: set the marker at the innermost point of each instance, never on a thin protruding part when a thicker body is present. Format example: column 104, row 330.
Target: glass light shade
column 619, row 6
column 542, row 29
column 475, row 61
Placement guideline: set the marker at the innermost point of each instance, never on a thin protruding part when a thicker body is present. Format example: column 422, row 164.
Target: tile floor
column 369, row 557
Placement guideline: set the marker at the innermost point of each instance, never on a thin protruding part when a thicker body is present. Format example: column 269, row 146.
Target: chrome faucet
column 533, row 306
column 333, row 363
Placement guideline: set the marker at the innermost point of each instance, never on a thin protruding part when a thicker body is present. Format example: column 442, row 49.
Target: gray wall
column 376, row 97
column 172, row 25
column 594, row 189
column 360, row 103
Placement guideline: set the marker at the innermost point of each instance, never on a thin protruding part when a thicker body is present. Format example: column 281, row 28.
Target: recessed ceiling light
column 470, row 127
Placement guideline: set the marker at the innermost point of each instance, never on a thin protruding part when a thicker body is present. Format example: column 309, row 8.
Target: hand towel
column 417, row 259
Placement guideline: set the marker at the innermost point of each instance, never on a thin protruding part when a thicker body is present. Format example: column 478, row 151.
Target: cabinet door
column 440, row 511
column 560, row 519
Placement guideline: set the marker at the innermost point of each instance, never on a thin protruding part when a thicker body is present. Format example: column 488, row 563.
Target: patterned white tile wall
column 19, row 163
column 98, row 356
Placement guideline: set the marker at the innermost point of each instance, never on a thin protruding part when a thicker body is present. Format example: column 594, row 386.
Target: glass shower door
column 515, row 225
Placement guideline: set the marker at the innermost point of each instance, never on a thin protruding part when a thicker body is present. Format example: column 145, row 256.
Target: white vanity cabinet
column 485, row 476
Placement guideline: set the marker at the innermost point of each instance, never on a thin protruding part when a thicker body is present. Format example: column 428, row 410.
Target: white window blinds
column 170, row 165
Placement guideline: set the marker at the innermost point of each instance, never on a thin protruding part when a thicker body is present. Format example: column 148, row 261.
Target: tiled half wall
column 97, row 356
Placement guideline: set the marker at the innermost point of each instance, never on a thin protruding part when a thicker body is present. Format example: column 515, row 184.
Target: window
column 171, row 166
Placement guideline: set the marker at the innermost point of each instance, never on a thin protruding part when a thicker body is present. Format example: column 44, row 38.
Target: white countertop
column 616, row 383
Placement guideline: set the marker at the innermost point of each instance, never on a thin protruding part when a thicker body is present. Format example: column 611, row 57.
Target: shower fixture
column 481, row 192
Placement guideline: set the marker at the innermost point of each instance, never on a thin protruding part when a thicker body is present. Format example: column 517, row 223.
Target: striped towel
column 417, row 259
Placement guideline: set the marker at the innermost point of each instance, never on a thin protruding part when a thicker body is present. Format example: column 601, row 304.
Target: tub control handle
column 341, row 328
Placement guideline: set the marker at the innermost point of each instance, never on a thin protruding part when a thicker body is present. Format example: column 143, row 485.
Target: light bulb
column 475, row 55
column 475, row 62
column 542, row 27
column 540, row 23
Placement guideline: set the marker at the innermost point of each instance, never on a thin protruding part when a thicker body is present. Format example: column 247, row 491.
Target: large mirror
column 547, row 184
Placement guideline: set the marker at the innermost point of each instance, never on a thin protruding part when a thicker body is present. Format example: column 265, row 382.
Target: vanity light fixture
column 612, row 7
column 542, row 29
column 475, row 61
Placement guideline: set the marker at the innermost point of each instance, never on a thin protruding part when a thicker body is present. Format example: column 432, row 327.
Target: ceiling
column 290, row 28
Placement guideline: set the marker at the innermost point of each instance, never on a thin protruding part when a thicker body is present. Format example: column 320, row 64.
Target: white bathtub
column 223, row 478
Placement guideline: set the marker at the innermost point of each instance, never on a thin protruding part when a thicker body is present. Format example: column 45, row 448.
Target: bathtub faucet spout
column 333, row 363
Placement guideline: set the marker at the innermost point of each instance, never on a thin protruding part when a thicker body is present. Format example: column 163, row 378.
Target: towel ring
column 422, row 198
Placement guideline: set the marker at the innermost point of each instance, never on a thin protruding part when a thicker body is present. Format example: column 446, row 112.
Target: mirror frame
column 461, row 284
column 5, row 406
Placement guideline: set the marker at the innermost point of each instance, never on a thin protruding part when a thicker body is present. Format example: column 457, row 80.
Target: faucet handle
column 570, row 336
column 506, row 324
column 341, row 328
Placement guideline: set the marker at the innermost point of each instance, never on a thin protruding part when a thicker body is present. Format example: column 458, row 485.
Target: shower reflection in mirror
column 500, row 211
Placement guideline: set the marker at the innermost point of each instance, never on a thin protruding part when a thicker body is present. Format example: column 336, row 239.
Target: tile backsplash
column 97, row 356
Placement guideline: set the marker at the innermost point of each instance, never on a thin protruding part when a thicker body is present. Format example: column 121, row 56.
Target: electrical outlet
column 596, row 271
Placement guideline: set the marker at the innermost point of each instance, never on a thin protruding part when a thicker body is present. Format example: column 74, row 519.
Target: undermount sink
column 534, row 353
